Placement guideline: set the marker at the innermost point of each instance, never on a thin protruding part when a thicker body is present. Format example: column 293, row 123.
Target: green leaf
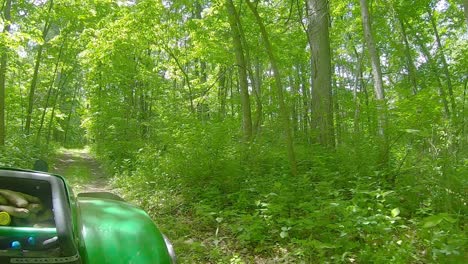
column 435, row 220
column 395, row 212
column 412, row 131
column 450, row 219
column 284, row 234
column 432, row 221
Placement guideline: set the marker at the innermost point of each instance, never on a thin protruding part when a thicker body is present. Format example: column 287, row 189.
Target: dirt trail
column 81, row 171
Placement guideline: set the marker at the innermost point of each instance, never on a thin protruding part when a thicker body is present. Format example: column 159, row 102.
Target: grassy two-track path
column 81, row 171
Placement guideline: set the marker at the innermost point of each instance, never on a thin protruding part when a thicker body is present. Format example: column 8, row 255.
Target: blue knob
column 15, row 245
column 31, row 241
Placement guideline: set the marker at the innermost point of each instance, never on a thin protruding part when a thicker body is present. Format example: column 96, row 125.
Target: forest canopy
column 255, row 131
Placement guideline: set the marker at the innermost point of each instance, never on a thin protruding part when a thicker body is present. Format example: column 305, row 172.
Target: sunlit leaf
column 395, row 212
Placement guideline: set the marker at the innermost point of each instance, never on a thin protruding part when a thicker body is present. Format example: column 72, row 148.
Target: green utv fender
column 92, row 228
column 116, row 232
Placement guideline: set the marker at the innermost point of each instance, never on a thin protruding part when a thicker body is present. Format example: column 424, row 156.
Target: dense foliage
column 256, row 131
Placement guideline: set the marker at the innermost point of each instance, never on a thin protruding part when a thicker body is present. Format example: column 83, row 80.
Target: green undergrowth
column 229, row 204
column 22, row 152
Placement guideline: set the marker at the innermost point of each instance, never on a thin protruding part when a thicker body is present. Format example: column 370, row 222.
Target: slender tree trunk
column 70, row 112
column 374, row 56
column 36, row 71
column 409, row 60
column 231, row 94
column 465, row 5
column 18, row 77
column 202, row 76
column 300, row 101
column 320, row 59
column 54, row 106
column 370, row 123
column 257, row 89
column 242, row 71
column 357, row 87
column 336, row 107
column 279, row 88
column 464, row 120
column 3, row 69
column 378, row 83
column 441, row 52
column 255, row 78
column 222, row 93
column 294, row 106
column 32, row 89
column 306, row 101
column 435, row 71
column 186, row 77
column 51, row 87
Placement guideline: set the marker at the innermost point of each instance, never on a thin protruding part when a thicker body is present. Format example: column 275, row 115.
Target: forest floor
column 81, row 171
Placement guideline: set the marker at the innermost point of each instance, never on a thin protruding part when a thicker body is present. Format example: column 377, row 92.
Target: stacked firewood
column 25, row 209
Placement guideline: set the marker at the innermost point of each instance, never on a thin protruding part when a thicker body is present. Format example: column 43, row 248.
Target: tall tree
column 241, row 69
column 378, row 83
column 49, row 92
column 433, row 68
column 373, row 54
column 37, row 63
column 3, row 68
column 320, row 60
column 441, row 52
column 465, row 5
column 279, row 89
column 409, row 60
column 374, row 57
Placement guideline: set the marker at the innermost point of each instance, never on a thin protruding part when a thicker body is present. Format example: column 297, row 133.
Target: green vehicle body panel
column 118, row 232
column 26, row 231
column 105, row 229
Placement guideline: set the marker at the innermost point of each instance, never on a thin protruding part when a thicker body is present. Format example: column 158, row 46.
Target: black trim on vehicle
column 10, row 178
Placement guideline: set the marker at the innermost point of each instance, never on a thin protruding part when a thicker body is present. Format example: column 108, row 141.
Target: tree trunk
column 70, row 113
column 18, row 77
column 202, row 75
column 465, row 5
column 242, row 71
column 340, row 128
column 51, row 87
column 306, row 101
column 257, row 89
column 435, row 71
column 54, row 106
column 222, row 93
column 255, row 78
column 440, row 50
column 373, row 54
column 36, row 71
column 371, row 126
column 409, row 60
column 378, row 83
column 186, row 77
column 294, row 105
column 231, row 94
column 357, row 87
column 320, row 60
column 3, row 69
column 279, row 88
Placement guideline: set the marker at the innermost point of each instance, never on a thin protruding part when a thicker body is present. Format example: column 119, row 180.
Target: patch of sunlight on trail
column 74, row 152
